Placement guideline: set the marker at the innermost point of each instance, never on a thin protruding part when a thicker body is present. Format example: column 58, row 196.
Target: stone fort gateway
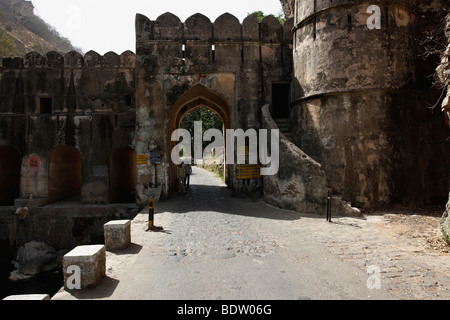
column 347, row 82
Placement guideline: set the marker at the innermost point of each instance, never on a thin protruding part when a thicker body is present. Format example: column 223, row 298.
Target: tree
column 7, row 46
column 209, row 119
column 261, row 16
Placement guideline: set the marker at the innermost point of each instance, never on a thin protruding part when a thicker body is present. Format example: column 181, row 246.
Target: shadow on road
column 104, row 289
column 206, row 193
column 133, row 248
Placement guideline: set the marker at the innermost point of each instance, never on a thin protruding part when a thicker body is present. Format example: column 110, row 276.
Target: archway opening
column 122, row 176
column 202, row 99
column 206, row 119
column 10, row 169
column 65, row 173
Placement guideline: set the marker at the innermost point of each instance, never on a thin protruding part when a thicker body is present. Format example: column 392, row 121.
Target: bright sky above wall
column 108, row 25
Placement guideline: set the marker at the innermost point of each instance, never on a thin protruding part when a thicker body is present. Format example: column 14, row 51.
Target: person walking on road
column 188, row 173
column 181, row 175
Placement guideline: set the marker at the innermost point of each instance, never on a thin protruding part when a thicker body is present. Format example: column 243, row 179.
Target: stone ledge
column 28, row 297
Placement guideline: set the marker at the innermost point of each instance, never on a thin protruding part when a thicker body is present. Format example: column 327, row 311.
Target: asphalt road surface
column 218, row 247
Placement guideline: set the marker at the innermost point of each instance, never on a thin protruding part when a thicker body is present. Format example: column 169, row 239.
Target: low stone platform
column 84, row 267
column 117, row 234
column 28, row 297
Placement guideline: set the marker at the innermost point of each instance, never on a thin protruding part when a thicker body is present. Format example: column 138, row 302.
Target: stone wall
column 83, row 102
column 61, row 227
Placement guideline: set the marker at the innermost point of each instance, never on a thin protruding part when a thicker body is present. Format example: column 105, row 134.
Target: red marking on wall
column 34, row 164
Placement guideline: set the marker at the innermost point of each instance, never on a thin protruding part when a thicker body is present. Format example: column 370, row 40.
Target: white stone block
column 90, row 261
column 117, row 234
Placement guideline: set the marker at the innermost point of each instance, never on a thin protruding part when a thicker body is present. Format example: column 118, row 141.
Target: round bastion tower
column 354, row 72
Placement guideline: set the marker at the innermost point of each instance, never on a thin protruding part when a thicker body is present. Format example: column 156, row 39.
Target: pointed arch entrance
column 196, row 97
column 65, row 173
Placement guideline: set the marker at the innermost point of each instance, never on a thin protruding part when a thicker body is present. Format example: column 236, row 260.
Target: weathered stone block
column 91, row 263
column 117, row 234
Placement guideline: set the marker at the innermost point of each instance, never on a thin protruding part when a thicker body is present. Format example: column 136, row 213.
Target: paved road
column 215, row 246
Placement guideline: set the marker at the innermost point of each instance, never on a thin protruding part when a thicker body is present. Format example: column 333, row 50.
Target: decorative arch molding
column 197, row 96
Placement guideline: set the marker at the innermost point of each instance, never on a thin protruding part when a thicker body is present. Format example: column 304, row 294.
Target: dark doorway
column 122, row 176
column 10, row 168
column 45, row 105
column 65, row 173
column 280, row 100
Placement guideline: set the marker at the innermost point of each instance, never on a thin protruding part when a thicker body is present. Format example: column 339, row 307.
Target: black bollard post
column 151, row 213
column 329, row 207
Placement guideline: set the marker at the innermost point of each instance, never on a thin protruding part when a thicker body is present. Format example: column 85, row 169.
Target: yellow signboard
column 248, row 171
column 142, row 159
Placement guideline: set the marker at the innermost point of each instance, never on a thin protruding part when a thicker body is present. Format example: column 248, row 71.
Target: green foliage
column 7, row 46
column 209, row 119
column 217, row 169
column 261, row 16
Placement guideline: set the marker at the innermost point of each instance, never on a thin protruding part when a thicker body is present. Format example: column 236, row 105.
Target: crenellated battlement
column 226, row 28
column 306, row 9
column 71, row 60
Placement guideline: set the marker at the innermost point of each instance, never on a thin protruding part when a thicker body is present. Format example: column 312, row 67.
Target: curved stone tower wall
column 350, row 87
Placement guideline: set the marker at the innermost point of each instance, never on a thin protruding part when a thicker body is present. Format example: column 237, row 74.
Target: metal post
column 151, row 215
column 329, row 207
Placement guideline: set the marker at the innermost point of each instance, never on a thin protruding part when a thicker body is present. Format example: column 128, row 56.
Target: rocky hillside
column 443, row 71
column 288, row 8
column 21, row 31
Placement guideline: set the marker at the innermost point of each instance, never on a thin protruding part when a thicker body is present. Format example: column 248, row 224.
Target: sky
column 108, row 25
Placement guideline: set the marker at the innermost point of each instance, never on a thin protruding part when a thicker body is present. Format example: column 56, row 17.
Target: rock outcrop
column 301, row 183
column 445, row 223
column 34, row 258
column 443, row 72
column 288, row 8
